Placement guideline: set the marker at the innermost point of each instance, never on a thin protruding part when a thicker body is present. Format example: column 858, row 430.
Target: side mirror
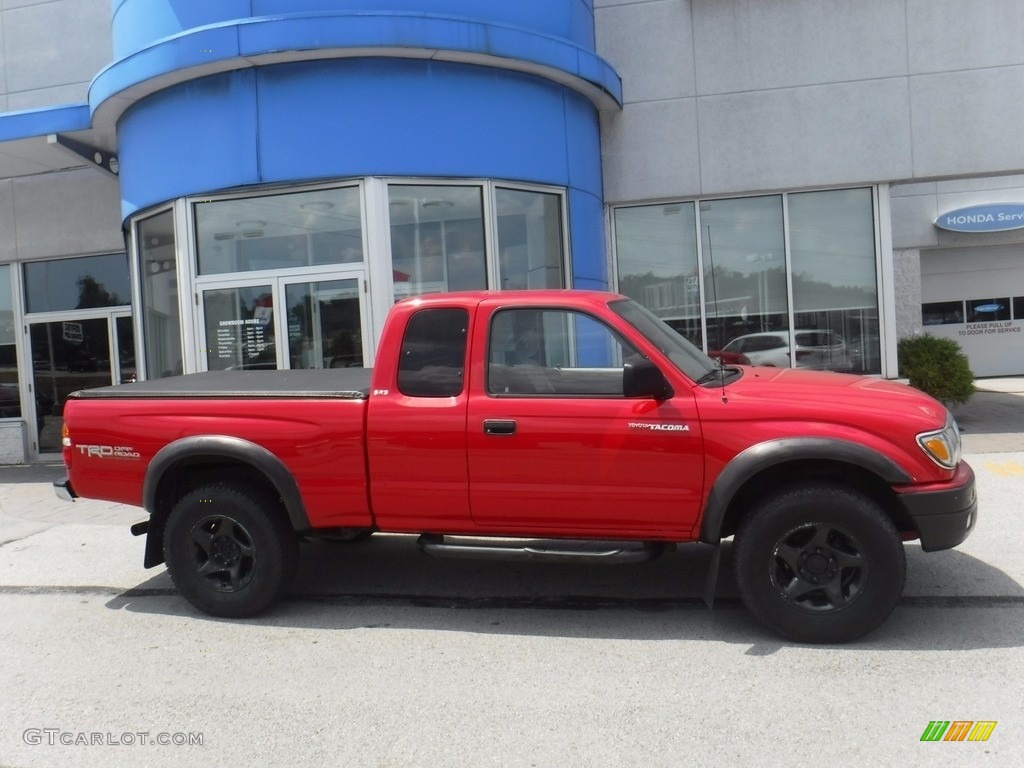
column 643, row 378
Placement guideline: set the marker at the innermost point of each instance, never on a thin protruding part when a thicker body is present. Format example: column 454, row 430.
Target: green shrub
column 937, row 367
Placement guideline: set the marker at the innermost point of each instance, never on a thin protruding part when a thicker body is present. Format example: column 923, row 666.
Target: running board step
column 557, row 550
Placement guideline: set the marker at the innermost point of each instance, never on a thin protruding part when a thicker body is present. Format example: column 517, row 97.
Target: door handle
column 499, row 427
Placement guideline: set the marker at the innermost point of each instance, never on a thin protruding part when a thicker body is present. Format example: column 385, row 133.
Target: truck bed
column 337, row 383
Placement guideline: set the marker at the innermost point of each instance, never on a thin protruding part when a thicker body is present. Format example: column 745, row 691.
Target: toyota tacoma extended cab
column 492, row 420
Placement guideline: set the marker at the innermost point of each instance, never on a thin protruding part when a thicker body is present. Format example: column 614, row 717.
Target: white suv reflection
column 823, row 350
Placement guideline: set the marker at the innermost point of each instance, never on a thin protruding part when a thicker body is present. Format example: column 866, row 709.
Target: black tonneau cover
column 340, row 383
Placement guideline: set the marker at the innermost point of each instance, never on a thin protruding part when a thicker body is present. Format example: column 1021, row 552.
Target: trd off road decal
column 108, row 451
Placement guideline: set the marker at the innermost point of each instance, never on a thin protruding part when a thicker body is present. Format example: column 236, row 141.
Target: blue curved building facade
column 461, row 141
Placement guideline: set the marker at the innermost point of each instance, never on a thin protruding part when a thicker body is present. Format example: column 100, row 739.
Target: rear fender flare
column 219, row 446
column 786, row 450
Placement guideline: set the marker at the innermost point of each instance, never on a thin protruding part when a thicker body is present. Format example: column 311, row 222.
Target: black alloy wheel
column 819, row 567
column 222, row 553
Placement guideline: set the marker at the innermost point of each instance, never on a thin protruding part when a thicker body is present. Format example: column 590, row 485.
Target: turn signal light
column 943, row 446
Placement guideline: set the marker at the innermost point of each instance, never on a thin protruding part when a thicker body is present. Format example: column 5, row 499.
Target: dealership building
column 189, row 185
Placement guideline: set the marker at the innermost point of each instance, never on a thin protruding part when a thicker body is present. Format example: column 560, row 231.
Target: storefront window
column 657, row 248
column 828, row 266
column 85, row 282
column 530, row 252
column 300, row 229
column 437, row 238
column 292, row 279
column 10, row 401
column 744, row 271
column 832, row 251
column 161, row 318
column 942, row 313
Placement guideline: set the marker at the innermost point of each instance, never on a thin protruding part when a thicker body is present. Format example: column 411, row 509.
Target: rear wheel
column 230, row 549
column 819, row 563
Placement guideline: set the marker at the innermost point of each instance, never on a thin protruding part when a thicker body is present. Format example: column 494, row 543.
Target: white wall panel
column 745, row 45
column 949, row 35
column 8, row 236
column 67, row 214
column 57, row 43
column 966, row 122
column 790, row 138
column 649, row 151
column 651, row 49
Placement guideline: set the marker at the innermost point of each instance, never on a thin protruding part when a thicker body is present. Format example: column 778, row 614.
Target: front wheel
column 230, row 549
column 819, row 563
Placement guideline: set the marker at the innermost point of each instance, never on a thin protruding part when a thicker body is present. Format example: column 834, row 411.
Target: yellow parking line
column 1004, row 468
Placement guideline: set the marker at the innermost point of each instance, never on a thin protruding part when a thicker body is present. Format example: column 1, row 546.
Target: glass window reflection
column 657, row 260
column 829, row 267
column 324, row 324
column 279, row 231
column 84, row 282
column 832, row 250
column 161, row 316
column 744, row 268
column 530, row 251
column 437, row 238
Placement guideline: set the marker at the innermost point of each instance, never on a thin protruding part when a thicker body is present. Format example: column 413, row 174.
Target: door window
column 325, row 327
column 10, row 399
column 66, row 356
column 240, row 328
column 554, row 352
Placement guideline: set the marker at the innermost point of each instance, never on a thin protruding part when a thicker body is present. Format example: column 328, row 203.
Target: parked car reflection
column 822, row 350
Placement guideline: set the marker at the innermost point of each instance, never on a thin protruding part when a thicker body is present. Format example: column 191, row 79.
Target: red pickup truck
column 494, row 419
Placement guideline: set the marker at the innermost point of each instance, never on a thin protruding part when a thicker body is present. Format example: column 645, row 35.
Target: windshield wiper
column 711, row 375
column 718, row 372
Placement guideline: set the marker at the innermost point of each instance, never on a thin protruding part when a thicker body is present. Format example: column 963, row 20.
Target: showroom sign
column 994, row 217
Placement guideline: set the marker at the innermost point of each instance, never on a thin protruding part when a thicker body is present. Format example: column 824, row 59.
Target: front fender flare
column 784, row 450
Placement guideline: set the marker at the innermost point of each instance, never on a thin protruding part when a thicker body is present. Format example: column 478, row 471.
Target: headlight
column 943, row 446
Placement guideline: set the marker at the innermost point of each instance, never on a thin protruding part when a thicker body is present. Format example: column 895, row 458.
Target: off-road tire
column 819, row 563
column 230, row 549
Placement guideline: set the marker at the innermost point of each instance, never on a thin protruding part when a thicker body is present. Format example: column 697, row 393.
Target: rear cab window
column 432, row 361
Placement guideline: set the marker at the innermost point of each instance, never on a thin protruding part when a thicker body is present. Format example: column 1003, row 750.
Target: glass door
column 239, row 325
column 284, row 322
column 325, row 324
column 73, row 354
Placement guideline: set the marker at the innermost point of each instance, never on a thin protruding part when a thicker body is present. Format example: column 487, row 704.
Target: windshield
column 686, row 357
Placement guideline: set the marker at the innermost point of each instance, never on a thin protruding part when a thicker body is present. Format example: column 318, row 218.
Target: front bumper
column 64, row 490
column 944, row 517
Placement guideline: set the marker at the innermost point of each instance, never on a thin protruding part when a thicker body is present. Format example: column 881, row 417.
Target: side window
column 554, row 352
column 433, row 356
